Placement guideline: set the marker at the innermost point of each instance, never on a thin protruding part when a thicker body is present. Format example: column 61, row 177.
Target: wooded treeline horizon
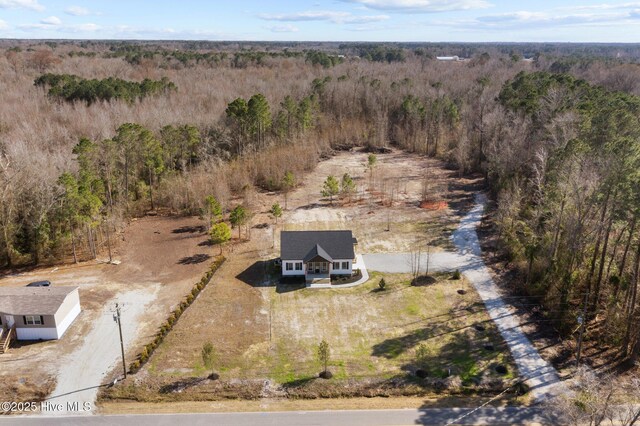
column 112, row 130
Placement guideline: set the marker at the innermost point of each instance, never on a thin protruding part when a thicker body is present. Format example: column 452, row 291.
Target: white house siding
column 61, row 327
column 36, row 333
column 71, row 302
column 342, row 271
column 67, row 312
column 293, row 270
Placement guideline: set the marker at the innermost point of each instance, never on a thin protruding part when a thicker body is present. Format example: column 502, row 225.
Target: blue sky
column 332, row 20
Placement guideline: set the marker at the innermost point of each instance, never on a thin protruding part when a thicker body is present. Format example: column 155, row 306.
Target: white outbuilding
column 38, row 313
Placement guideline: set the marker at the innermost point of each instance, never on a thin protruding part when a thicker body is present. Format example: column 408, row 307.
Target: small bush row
column 173, row 317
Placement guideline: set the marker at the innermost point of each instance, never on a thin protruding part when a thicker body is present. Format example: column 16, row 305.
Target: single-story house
column 317, row 255
column 38, row 313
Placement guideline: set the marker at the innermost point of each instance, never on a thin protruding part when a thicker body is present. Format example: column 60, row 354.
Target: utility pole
column 116, row 318
column 583, row 323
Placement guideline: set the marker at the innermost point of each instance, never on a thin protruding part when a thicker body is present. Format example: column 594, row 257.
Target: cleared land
column 371, row 333
column 265, row 335
column 384, row 213
column 373, row 337
column 154, row 269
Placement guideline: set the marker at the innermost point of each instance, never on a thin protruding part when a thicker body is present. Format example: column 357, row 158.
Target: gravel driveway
column 396, row 263
column 541, row 377
column 83, row 371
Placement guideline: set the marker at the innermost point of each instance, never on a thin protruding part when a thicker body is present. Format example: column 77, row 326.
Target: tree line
column 72, row 88
column 568, row 201
column 114, row 176
column 558, row 151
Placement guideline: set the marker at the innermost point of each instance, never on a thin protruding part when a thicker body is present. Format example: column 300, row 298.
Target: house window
column 33, row 320
column 298, row 266
column 289, row 266
column 345, row 265
column 336, row 265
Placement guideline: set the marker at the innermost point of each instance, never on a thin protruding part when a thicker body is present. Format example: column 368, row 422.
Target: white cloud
column 422, row 6
column 77, row 11
column 3, row 25
column 603, row 6
column 21, row 4
column 121, row 32
column 332, row 16
column 366, row 19
column 552, row 19
column 306, row 16
column 283, row 29
column 75, row 28
column 88, row 27
column 51, row 20
column 129, row 30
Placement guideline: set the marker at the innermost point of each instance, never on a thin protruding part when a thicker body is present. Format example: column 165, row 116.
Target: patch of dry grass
column 373, row 336
column 25, row 389
column 282, row 404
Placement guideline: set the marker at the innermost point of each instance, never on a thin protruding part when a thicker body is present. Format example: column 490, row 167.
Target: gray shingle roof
column 33, row 300
column 296, row 245
column 317, row 251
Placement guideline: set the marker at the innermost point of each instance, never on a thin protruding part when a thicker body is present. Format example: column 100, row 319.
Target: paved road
column 431, row 416
column 542, row 378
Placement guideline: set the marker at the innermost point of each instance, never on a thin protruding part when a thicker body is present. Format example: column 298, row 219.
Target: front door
column 10, row 320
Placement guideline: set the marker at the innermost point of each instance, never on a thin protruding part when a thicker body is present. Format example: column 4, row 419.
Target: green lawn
column 375, row 333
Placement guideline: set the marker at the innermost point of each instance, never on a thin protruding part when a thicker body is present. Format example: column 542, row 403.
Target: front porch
column 317, row 271
column 325, row 281
column 318, row 278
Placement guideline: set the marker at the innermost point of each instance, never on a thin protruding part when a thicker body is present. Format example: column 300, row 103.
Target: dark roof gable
column 303, row 245
column 317, row 253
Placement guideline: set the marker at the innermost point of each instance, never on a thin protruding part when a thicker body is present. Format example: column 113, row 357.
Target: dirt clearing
column 151, row 278
column 265, row 336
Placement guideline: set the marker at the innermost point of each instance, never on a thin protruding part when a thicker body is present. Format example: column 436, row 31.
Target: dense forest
column 72, row 88
column 94, row 133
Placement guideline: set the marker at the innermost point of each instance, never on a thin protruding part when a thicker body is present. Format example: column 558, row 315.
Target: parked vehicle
column 39, row 284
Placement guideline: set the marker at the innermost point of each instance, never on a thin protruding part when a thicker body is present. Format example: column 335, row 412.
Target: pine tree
column 288, row 182
column 238, row 217
column 213, row 209
column 259, row 118
column 347, row 186
column 220, row 234
column 276, row 211
column 330, row 188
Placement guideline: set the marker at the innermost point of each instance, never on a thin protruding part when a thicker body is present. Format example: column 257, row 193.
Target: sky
column 325, row 20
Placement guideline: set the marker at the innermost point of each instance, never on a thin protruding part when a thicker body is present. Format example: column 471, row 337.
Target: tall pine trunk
column 603, row 255
column 632, row 305
column 73, row 243
column 616, row 291
column 596, row 250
